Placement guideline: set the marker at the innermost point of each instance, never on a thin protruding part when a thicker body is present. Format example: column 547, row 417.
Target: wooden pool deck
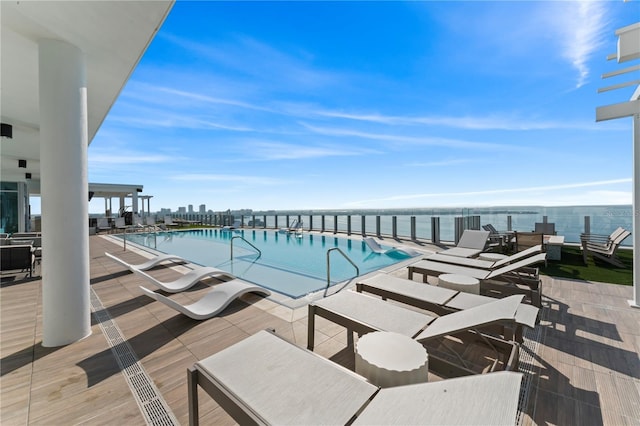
column 583, row 367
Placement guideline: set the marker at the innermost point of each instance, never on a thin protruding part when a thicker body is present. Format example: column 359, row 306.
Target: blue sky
column 341, row 105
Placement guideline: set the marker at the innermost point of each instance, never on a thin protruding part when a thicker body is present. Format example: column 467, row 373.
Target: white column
column 134, row 202
column 636, row 212
column 65, row 228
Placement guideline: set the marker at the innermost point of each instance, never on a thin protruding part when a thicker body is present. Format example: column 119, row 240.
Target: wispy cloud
column 580, row 25
column 241, row 179
column 494, row 122
column 129, row 158
column 269, row 151
column 407, row 197
column 442, row 163
column 409, row 140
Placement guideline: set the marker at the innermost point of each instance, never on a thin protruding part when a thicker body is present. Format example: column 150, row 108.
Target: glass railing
column 417, row 224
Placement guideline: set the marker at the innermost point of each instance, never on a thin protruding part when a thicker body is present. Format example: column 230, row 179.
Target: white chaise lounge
column 363, row 314
column 377, row 248
column 471, row 244
column 264, row 379
column 442, row 301
column 507, row 279
column 144, row 266
column 485, row 264
column 212, row 303
column 186, row 281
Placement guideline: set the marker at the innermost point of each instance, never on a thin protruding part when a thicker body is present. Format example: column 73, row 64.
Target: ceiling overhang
column 113, row 36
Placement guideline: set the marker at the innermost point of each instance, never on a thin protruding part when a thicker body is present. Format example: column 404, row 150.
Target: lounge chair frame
column 443, row 301
column 514, row 278
column 343, row 397
column 604, row 247
column 370, row 314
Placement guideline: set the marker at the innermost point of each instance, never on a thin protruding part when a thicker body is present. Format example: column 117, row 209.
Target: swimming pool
column 293, row 265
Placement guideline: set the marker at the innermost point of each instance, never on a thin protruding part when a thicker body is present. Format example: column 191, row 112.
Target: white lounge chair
column 144, row 266
column 513, row 278
column 168, row 222
column 363, row 314
column 103, row 224
column 120, row 223
column 242, row 379
column 442, row 300
column 604, row 248
column 212, row 303
column 485, row 264
column 186, row 281
column 377, row 248
column 471, row 244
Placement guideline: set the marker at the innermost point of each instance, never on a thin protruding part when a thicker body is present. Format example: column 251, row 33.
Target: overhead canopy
column 113, row 36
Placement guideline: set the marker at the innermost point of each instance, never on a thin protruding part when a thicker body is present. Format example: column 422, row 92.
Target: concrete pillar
column 64, row 185
column 636, row 212
column 134, row 202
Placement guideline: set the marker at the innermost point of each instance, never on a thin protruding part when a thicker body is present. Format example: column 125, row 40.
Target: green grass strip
column 572, row 266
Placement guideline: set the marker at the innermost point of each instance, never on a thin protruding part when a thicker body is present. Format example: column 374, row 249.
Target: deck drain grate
column 152, row 406
column 527, row 366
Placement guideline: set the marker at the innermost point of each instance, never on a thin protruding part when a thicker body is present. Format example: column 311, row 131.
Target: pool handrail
column 329, row 266
column 246, row 241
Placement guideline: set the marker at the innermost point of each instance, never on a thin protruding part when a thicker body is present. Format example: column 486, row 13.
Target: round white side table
column 460, row 283
column 389, row 359
column 492, row 257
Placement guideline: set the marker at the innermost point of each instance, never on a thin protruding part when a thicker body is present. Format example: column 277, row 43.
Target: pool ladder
column 149, row 229
column 329, row 266
column 246, row 241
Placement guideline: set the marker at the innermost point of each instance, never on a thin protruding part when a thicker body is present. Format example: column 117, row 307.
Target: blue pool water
column 291, row 265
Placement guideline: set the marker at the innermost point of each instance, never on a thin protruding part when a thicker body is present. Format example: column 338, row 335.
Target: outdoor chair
column 363, row 314
column 144, row 266
column 485, row 264
column 604, row 248
column 186, row 281
column 442, row 301
column 14, row 257
column 497, row 238
column 212, row 303
column 377, row 248
column 525, row 240
column 514, row 278
column 103, row 224
column 471, row 243
column 265, row 379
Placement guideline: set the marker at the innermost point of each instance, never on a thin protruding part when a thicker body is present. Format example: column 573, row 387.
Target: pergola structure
column 628, row 50
column 63, row 66
column 108, row 191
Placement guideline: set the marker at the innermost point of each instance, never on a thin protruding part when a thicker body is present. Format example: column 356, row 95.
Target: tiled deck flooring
column 586, row 370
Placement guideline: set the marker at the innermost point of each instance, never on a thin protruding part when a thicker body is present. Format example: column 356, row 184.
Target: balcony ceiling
column 113, row 35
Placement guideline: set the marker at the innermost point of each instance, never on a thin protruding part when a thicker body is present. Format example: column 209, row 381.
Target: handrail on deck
column 149, row 229
column 329, row 266
column 246, row 241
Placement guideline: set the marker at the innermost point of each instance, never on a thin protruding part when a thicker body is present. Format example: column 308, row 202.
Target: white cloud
column 580, row 25
column 494, row 122
column 493, row 192
column 242, row 179
column 409, row 140
column 261, row 150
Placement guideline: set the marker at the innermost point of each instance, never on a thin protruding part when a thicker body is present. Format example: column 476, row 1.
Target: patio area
column 581, row 363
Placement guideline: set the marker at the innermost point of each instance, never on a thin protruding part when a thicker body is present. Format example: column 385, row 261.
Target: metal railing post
column 435, row 230
column 394, row 226
column 413, row 228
